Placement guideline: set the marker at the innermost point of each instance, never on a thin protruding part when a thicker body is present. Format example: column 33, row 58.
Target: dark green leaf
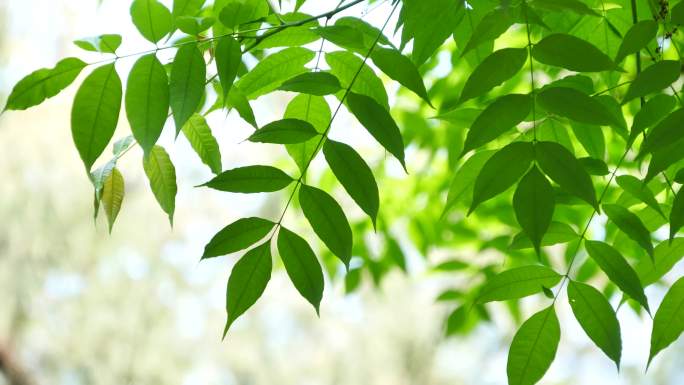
column 302, row 266
column 273, row 70
column 400, row 68
column 314, row 83
column 518, row 283
column 533, row 203
column 575, row 6
column 429, row 23
column 237, row 236
column 343, row 36
column 162, row 176
column 668, row 323
column 495, row 69
column 571, row 53
column 152, row 18
column 112, row 195
column 285, row 131
column 655, row 109
column 489, row 28
column 228, row 59
column 102, row 43
column 653, row 79
column 563, row 168
column 500, row 116
column 664, row 133
column 533, row 348
column 203, row 142
column 186, row 84
column 631, row 225
column 677, row 214
column 575, row 105
column 250, row 179
column 637, row 37
column 594, row 166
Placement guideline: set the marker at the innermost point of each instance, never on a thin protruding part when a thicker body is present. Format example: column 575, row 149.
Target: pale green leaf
column 112, row 195
column 152, row 19
column 103, row 43
column 668, row 323
column 203, row 142
column 162, row 177
column 273, row 70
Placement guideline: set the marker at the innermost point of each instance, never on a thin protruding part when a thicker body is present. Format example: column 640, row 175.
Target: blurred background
column 81, row 306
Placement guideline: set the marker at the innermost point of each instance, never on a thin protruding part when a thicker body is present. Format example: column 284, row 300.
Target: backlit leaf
column 490, row 27
column 500, row 116
column 250, row 179
column 664, row 133
column 575, row 105
column 533, row 203
column 301, row 265
column 430, row 23
column 152, row 18
column 203, row 142
column 398, row 67
column 315, row 110
column 237, row 236
column 570, row 52
column 533, row 348
column 285, row 131
column 668, row 323
column 639, row 190
column 112, row 195
column 653, row 79
column 677, row 214
column 103, row 43
column 345, row 65
column 495, row 69
column 518, row 282
column 461, row 188
column 162, row 176
column 273, row 70
column 631, row 225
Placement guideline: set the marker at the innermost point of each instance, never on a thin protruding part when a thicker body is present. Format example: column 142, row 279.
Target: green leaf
column 665, row 256
column 250, row 179
column 343, row 36
column 664, row 158
column 637, row 37
column 122, row 145
column 653, row 79
column 302, row 266
column 631, row 225
column 429, row 23
column 162, row 176
column 570, row 52
column 152, row 18
column 378, row 122
column 501, row 171
column 95, row 113
column 677, row 214
column 597, row 317
column 677, row 14
column 533, row 348
column 103, row 43
column 186, row 84
column 247, row 282
column 575, row 6
column 345, row 66
column 575, row 105
column 563, row 168
column 313, row 83
column 273, row 70
column 186, row 7
column 489, row 28
column 203, row 142
column 285, row 131
column 500, row 116
column 238, row 100
column 639, row 190
column 592, row 139
column 398, row 67
column 668, row 323
column 237, row 236
column 315, row 110
column 112, row 195
column 293, row 36
column 655, row 109
column 533, row 203
column 43, row 84
column 236, row 13
column 556, row 233
column 354, row 175
column 594, row 166
column 228, row 59
column 518, row 282
column 495, row 69
column 617, row 269
column 664, row 133
column 327, row 220
column 147, row 100
column 369, row 32
column 461, row 188
column 194, row 25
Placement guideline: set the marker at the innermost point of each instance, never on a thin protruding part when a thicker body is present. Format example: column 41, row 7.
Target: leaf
column 343, row 36
column 236, row 13
column 677, row 214
column 228, row 59
column 112, row 195
column 302, row 266
column 492, row 25
column 122, row 145
column 575, row 6
column 533, row 348
column 95, row 113
column 556, row 233
column 495, row 69
column 186, row 84
column 162, row 176
column 354, row 175
column 43, row 84
column 563, row 168
column 285, row 131
column 314, row 83
column 575, row 105
column 152, row 19
column 194, row 25
column 271, row 71
column 237, row 236
column 533, row 203
column 250, row 179
column 655, row 109
column 500, row 116
column 597, row 318
column 345, row 66
column 327, row 220
column 293, row 36
column 668, row 323
column 103, row 43
column 594, row 166
column 379, row 124
column 664, row 133
column 592, row 139
column 652, row 79
column 617, row 269
column 203, row 142
column 429, row 23
column 665, row 257
column 664, row 158
column 570, row 52
column 461, row 188
column 501, row 171
column 631, row 225
column 236, row 99
column 368, row 31
column 247, row 282
column 518, row 282
column 398, row 67
column 639, row 190
column 677, row 14
column 186, row 7
column 147, row 100
column 315, row 110
column 637, row 37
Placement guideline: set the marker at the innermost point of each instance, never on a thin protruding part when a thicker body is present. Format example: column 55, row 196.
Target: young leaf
column 112, row 195
column 617, row 269
column 575, row 105
column 345, row 66
column 285, row 131
column 461, row 188
column 250, row 179
column 533, row 348
column 518, row 282
column 664, row 133
column 500, row 116
column 147, row 100
column 495, row 69
column 597, row 317
column 313, row 83
column 400, row 68
column 273, row 70
column 162, row 176
column 639, row 190
column 302, row 266
column 631, row 225
column 354, row 175
column 228, row 59
column 533, row 203
column 315, row 110
column 501, row 171
column 677, row 214
column 247, row 281
column 152, row 18
column 237, row 236
column 637, row 37
column 429, row 23
column 186, row 84
column 563, row 168
column 668, row 323
column 102, row 43
column 570, row 52
column 489, row 28
column 378, row 122
column 653, row 79
column 327, row 220
column 203, row 142
column 95, row 113
column 44, row 83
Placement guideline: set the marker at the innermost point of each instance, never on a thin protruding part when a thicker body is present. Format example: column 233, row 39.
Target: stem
column 532, row 87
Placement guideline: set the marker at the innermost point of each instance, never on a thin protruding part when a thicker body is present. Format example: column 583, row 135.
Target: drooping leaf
column 664, row 133
column 495, row 69
column 461, row 188
column 429, row 23
column 228, row 59
column 639, row 190
column 677, row 214
column 203, row 142
column 237, row 236
column 533, row 203
column 250, row 179
column 345, row 66
column 302, row 266
column 284, row 131
column 273, row 70
column 103, row 43
column 631, row 225
column 668, row 323
column 186, row 84
column 570, row 52
column 95, row 113
column 315, row 110
column 152, row 19
column 500, row 116
column 518, row 283
column 575, row 105
column 112, row 195
column 327, row 220
column 637, row 37
column 314, row 83
column 652, row 79
column 533, row 348
column 162, row 176
column 398, row 67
